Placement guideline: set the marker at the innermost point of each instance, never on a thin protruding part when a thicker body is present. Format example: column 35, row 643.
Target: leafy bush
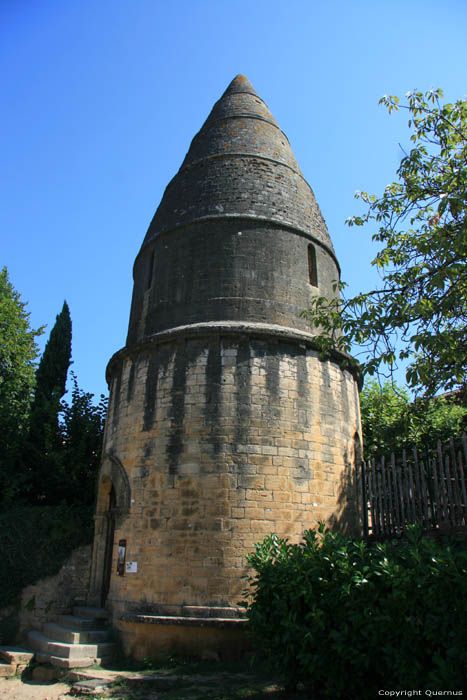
column 347, row 618
column 36, row 540
column 392, row 421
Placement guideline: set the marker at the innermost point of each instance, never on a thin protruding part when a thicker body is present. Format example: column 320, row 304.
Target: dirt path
column 137, row 686
column 17, row 689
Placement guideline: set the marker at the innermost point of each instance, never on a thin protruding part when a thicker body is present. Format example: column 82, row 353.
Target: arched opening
column 150, row 271
column 109, row 544
column 112, row 508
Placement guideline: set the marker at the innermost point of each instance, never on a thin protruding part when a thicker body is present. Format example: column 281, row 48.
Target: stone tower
column 224, row 423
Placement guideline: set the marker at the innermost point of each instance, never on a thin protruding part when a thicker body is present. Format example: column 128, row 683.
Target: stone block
column 7, row 670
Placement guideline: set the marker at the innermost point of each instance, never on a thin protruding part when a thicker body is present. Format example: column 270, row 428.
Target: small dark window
column 312, row 268
column 150, row 269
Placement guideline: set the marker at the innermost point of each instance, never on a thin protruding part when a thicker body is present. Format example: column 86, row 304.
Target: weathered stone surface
column 65, row 663
column 91, row 687
column 7, row 670
column 240, row 163
column 76, row 623
column 238, row 194
column 16, row 655
column 69, row 636
column 41, row 643
column 182, row 621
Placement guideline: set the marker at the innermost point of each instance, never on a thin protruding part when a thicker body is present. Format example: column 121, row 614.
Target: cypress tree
column 44, row 454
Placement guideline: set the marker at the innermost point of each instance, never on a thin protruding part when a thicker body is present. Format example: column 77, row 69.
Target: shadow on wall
column 9, row 623
column 348, row 518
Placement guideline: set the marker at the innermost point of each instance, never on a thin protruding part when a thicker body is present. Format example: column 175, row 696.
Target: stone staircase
column 14, row 660
column 74, row 641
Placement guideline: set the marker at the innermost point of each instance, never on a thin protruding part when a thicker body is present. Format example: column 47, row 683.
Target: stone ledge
column 250, row 329
column 172, row 610
column 180, row 621
column 205, row 611
column 16, row 655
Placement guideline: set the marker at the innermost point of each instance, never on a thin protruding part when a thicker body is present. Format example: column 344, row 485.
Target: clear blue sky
column 102, row 98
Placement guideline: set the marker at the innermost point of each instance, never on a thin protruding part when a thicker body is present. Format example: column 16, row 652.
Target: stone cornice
column 240, row 329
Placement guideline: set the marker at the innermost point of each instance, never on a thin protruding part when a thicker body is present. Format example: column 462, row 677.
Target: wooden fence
column 421, row 487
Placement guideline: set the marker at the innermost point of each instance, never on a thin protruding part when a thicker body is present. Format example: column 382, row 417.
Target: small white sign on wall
column 131, row 567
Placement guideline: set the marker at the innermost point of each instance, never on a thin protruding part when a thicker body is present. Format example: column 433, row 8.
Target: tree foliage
column 53, row 367
column 419, row 311
column 391, row 421
column 49, row 452
column 36, row 540
column 82, row 427
column 346, row 617
column 18, row 352
column 44, row 448
column 50, row 448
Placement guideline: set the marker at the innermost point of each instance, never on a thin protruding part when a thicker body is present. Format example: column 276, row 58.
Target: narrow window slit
column 312, row 267
column 151, row 267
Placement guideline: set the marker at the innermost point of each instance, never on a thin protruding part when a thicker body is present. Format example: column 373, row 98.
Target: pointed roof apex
column 240, row 99
column 240, row 84
column 240, row 164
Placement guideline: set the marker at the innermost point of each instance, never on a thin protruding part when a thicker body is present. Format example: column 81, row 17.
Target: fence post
column 364, row 499
column 431, row 489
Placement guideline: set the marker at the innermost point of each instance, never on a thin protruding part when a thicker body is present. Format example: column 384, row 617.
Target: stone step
column 94, row 686
column 39, row 642
column 70, row 636
column 14, row 660
column 90, row 612
column 76, row 623
column 17, row 656
column 59, row 662
column 7, row 670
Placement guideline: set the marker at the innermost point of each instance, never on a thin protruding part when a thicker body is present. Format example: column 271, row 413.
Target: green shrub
column 35, row 542
column 348, row 618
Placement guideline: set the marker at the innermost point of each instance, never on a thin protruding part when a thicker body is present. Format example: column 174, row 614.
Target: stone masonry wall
column 224, row 439
column 226, row 270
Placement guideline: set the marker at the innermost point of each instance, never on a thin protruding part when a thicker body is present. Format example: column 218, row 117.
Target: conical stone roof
column 240, row 164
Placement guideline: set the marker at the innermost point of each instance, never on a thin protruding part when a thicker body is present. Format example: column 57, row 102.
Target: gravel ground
column 17, row 689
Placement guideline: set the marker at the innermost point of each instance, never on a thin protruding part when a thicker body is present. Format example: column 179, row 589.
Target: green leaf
column 420, row 223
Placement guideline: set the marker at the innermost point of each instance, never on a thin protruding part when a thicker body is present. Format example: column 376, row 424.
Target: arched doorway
column 112, row 508
column 109, row 544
